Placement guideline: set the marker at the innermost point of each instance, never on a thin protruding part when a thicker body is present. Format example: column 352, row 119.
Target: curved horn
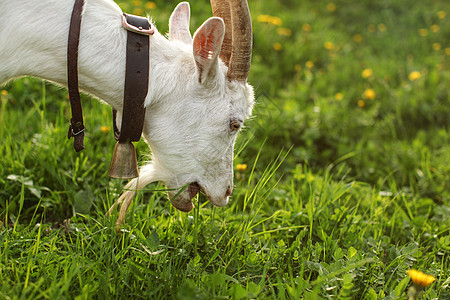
column 221, row 9
column 236, row 16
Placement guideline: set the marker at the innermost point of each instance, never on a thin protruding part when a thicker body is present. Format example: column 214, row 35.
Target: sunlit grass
column 341, row 178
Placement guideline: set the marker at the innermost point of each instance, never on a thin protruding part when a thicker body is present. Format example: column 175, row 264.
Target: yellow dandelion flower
column 414, row 75
column 372, row 28
column 369, row 94
column 241, row 167
column 366, row 73
column 423, row 32
column 339, row 96
column 309, row 64
column 382, row 27
column 447, row 51
column 357, row 38
column 150, row 5
column 284, row 31
column 4, row 93
column 328, row 45
column 421, row 279
column 276, row 21
column 441, row 14
column 277, row 47
column 331, row 7
column 137, row 2
column 361, row 103
column 437, row 46
column 298, row 67
column 435, row 28
column 105, row 129
column 306, row 27
column 270, row 20
column 263, row 18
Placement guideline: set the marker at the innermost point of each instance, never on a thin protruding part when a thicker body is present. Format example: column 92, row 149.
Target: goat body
column 193, row 106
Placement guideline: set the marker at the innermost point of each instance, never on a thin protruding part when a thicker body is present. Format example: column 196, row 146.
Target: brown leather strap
column 76, row 128
column 136, row 81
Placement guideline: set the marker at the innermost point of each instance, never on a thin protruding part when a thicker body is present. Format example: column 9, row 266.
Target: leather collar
column 136, row 78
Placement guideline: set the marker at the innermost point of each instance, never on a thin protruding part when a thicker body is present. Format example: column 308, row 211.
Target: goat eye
column 235, row 125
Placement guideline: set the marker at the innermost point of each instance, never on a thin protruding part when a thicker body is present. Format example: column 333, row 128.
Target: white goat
column 196, row 102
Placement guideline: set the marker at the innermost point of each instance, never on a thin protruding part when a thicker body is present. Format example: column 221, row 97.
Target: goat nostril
column 228, row 192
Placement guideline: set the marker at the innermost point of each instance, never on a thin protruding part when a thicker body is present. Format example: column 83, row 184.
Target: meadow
column 342, row 176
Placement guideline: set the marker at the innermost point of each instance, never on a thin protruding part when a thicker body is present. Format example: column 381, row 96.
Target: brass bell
column 123, row 162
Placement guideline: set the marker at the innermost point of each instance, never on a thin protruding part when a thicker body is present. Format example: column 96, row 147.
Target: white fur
column 188, row 114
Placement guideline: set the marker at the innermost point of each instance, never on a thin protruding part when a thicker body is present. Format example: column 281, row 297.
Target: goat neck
column 39, row 49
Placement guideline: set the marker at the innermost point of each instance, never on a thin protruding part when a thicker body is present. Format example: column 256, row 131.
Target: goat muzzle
column 123, row 162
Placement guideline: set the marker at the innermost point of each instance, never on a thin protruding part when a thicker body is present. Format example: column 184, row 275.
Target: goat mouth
column 193, row 189
column 183, row 201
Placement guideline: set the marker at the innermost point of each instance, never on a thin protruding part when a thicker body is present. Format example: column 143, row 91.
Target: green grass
column 343, row 192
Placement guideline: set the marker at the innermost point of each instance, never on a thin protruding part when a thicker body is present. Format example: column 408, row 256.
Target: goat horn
column 221, row 9
column 236, row 50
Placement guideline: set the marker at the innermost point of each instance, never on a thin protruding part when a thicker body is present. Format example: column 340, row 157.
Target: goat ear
column 207, row 44
column 179, row 24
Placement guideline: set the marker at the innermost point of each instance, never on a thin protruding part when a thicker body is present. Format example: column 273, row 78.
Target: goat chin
column 183, row 201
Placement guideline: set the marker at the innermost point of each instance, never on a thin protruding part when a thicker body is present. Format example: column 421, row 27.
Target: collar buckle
column 138, row 30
